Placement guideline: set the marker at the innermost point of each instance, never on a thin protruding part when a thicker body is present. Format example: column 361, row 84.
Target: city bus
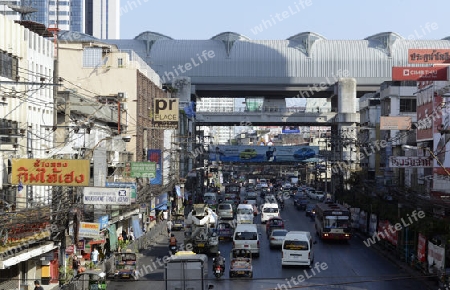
column 333, row 221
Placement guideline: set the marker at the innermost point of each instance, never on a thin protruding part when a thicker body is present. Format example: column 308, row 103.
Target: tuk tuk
column 125, row 265
column 88, row 280
column 225, row 229
column 178, row 222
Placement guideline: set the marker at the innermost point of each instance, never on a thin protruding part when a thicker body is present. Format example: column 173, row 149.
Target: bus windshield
column 336, row 222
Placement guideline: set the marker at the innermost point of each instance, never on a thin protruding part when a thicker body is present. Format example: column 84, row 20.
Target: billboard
column 89, row 230
column 143, row 169
column 105, row 196
column 409, row 162
column 154, row 155
column 165, row 112
column 248, row 153
column 290, row 129
column 428, row 56
column 59, row 172
column 441, row 141
column 131, row 185
column 395, row 123
column 405, row 73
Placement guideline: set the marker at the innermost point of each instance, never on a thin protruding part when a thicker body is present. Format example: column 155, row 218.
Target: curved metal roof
column 305, row 58
column 73, row 36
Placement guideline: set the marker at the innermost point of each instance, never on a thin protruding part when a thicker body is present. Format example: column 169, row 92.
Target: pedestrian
column 124, row 235
column 131, row 235
column 169, row 227
column 94, row 256
column 37, row 285
column 75, row 265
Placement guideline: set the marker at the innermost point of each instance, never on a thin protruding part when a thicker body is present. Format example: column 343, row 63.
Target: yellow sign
column 166, row 111
column 50, row 172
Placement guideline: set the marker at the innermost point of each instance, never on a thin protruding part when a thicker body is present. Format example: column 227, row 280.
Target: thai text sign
column 402, row 73
column 428, row 56
column 395, row 123
column 105, row 196
column 143, row 169
column 409, row 162
column 89, row 230
column 50, row 172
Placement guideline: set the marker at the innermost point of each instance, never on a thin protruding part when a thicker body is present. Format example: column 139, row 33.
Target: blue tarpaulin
column 161, row 202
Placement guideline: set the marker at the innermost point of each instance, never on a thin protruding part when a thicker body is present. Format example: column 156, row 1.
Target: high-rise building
column 99, row 18
column 221, row 134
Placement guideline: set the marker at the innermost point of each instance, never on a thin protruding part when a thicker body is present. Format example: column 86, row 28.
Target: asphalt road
column 350, row 266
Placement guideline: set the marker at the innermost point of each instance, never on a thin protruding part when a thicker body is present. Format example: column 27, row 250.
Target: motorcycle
column 218, row 269
column 173, row 249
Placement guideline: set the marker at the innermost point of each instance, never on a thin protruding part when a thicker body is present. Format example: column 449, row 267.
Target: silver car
column 276, row 238
column 225, row 210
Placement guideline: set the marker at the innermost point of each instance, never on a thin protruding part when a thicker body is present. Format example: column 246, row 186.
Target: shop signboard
column 143, row 169
column 409, row 162
column 89, row 230
column 106, row 196
column 131, row 185
column 56, row 172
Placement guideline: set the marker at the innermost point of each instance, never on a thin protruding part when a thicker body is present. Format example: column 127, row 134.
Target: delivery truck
column 187, row 271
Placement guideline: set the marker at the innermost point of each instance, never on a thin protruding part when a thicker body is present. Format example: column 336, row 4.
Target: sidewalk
column 418, row 275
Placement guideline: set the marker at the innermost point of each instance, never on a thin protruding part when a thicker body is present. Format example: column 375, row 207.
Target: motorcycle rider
column 219, row 261
column 172, row 241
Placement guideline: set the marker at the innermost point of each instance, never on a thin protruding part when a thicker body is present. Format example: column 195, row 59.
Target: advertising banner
column 425, row 113
column 386, row 233
column 80, row 245
column 105, row 196
column 89, row 230
column 143, row 169
column 373, row 224
column 395, row 123
column 58, row 172
column 154, row 155
column 428, row 56
column 161, row 202
column 421, row 247
column 165, row 112
column 409, row 162
column 290, row 129
column 436, row 255
column 441, row 141
column 248, row 153
column 405, row 73
column 103, row 221
column 131, row 185
column 137, row 228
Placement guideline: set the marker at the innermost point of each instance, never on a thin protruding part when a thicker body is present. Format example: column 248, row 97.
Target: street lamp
column 409, row 147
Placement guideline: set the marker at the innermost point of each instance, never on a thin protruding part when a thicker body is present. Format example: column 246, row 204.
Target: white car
column 319, row 195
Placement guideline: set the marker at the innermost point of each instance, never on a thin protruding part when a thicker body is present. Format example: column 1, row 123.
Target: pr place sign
column 166, row 112
column 106, row 196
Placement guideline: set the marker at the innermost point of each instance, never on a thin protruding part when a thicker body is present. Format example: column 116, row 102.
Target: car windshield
column 245, row 211
column 270, row 210
column 224, row 206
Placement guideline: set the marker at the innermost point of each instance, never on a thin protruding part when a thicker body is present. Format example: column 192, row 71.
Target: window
column 120, row 62
column 241, row 236
column 295, row 245
column 408, row 105
column 8, row 65
column 92, row 56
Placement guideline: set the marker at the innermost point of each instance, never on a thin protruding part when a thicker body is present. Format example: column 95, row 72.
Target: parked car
column 304, row 153
column 276, row 237
column 248, row 153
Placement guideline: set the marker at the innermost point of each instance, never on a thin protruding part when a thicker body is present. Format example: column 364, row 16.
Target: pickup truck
column 241, row 263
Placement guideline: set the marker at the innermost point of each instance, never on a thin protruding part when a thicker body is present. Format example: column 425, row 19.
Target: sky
column 276, row 20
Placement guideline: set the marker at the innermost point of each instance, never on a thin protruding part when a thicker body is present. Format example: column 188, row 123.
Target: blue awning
column 161, row 202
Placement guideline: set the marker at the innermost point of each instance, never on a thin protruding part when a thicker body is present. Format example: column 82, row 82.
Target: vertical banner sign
column 154, row 155
column 421, row 247
column 166, row 112
column 137, row 228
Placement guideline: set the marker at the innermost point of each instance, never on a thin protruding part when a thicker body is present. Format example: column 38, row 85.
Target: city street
column 350, row 266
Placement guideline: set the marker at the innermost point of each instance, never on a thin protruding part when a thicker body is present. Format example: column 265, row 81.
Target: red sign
column 387, row 231
column 428, row 56
column 425, row 113
column 70, row 249
column 421, row 247
column 405, row 73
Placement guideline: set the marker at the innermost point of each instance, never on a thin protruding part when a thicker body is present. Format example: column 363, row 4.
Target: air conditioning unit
column 122, row 96
column 124, row 106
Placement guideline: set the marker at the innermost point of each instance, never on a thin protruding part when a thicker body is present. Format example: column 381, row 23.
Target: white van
column 246, row 237
column 269, row 210
column 244, row 214
column 297, row 249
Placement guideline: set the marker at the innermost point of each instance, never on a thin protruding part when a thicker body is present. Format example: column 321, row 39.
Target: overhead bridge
column 266, row 116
